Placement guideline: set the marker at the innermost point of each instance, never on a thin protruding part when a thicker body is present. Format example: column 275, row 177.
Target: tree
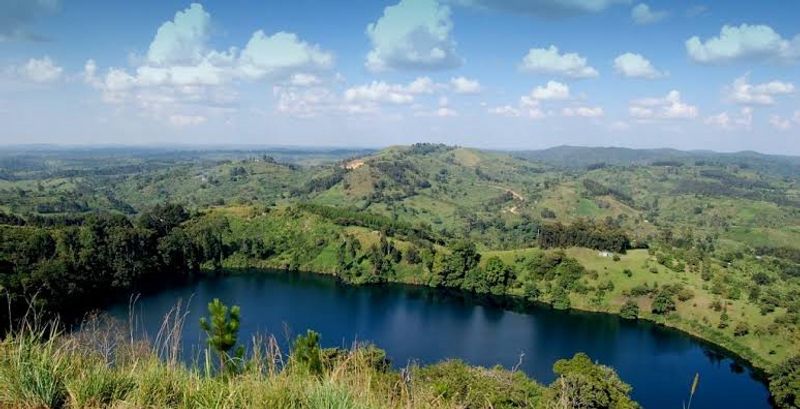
column 584, row 384
column 450, row 270
column 306, row 352
column 663, row 303
column 560, row 298
column 163, row 218
column 494, row 278
column 629, row 310
column 784, row 383
column 222, row 329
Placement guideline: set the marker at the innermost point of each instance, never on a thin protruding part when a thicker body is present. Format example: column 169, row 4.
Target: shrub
column 784, row 384
column 629, row 310
column 741, row 329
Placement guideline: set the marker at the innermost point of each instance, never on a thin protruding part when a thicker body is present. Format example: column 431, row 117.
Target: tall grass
column 103, row 366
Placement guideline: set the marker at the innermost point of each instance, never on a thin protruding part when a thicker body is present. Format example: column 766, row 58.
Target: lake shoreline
column 758, row 367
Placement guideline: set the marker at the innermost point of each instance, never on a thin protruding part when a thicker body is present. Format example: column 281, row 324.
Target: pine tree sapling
column 222, row 329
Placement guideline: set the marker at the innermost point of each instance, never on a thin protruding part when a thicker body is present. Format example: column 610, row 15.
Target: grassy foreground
column 103, row 367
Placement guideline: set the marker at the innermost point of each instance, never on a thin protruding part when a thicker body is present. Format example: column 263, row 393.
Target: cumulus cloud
column 583, row 111
column 553, row 90
column 745, row 42
column 543, row 8
column 643, row 14
column 723, row 120
column 666, row 108
column 16, row 17
column 463, row 85
column 550, row 61
column 379, row 91
column 181, row 71
column 636, row 66
column 41, row 70
column 527, row 108
column 531, row 105
column 413, row 34
column 742, row 92
column 182, row 40
column 279, row 54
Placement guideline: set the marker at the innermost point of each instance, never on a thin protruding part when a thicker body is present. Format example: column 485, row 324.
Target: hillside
column 708, row 243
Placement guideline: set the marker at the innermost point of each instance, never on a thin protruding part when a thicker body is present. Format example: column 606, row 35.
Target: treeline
column 353, row 217
column 73, row 268
column 321, row 183
column 583, row 233
column 719, row 189
column 595, row 188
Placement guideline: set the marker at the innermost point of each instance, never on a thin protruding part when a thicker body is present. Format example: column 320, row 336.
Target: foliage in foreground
column 101, row 367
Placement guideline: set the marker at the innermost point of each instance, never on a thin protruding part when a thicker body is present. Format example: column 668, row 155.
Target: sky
column 502, row 74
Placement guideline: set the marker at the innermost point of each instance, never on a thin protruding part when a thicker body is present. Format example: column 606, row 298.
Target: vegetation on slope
column 704, row 242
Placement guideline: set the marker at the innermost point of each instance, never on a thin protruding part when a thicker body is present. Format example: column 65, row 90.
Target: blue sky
column 510, row 74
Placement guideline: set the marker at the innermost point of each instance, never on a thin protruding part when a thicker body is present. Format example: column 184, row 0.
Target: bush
column 741, row 329
column 663, row 303
column 784, row 384
column 585, row 384
column 629, row 310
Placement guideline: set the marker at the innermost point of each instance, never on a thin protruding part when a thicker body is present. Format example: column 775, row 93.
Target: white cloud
column 543, row 8
column 421, row 85
column 413, row 34
column 550, row 61
column 527, row 108
column 643, row 14
column 367, row 97
column 742, row 92
column 304, row 80
column 796, row 117
column 304, row 101
column 181, row 72
column 279, row 54
column 463, row 85
column 16, row 16
column 553, row 90
column 308, row 100
column 182, row 40
column 505, row 110
column 90, row 72
column 187, row 120
column 745, row 42
column 442, row 111
column 726, row 121
column 636, row 66
column 531, row 105
column 668, row 107
column 780, row 123
column 40, row 70
column 585, row 112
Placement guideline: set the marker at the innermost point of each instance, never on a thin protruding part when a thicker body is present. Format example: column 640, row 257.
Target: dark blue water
column 426, row 325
